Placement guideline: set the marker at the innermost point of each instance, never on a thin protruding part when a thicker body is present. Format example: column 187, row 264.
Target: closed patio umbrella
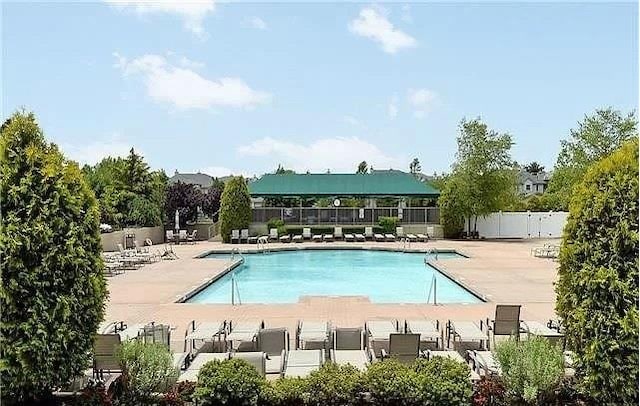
column 177, row 220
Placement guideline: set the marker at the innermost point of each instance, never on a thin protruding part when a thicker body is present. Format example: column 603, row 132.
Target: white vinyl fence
column 521, row 225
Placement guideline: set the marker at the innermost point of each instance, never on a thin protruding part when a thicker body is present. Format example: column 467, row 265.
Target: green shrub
column 53, row 288
column 285, row 392
column 530, row 368
column 451, row 209
column 392, row 383
column 335, row 385
column 443, row 381
column 597, row 290
column 235, row 207
column 230, row 382
column 277, row 224
column 147, row 368
column 388, row 224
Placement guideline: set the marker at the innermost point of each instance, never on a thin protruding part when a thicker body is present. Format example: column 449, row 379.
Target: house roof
column 199, row 179
column 535, row 178
column 387, row 183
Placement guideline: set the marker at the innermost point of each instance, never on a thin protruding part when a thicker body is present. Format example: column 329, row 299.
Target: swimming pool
column 383, row 276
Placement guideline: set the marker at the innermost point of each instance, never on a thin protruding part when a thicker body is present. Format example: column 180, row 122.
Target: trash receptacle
column 129, row 241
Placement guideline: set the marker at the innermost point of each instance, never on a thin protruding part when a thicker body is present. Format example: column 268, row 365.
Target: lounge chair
column 430, row 334
column 349, row 237
column 539, row 329
column 297, row 238
column 273, row 234
column 360, row 237
column 191, row 373
column 317, row 238
column 405, row 347
column 306, row 233
column 191, row 238
column 274, row 342
column 312, row 335
column 484, row 362
column 253, row 239
column 466, row 332
column 257, row 359
column 368, row 233
column 378, row 237
column 235, row 236
column 349, row 348
column 182, row 234
column 506, row 322
column 327, row 237
column 105, row 354
column 169, row 237
column 300, row 363
column 422, row 237
column 285, row 238
column 337, row 233
column 242, row 335
column 400, row 232
column 378, row 332
column 130, row 331
column 389, row 237
column 244, row 235
column 200, row 337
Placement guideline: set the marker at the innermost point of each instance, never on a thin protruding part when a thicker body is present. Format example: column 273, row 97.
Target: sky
column 239, row 88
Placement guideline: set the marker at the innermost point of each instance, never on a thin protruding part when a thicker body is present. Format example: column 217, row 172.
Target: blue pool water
column 385, row 277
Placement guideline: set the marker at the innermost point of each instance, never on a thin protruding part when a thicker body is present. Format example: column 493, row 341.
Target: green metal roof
column 391, row 183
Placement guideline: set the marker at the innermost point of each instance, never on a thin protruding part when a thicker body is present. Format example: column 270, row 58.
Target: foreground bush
column 531, row 368
column 285, row 392
column 392, row 383
column 443, row 381
column 53, row 289
column 335, row 385
column 235, row 207
column 597, row 290
column 230, row 382
column 147, row 369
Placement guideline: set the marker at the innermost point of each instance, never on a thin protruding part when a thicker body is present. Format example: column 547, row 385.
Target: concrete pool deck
column 504, row 271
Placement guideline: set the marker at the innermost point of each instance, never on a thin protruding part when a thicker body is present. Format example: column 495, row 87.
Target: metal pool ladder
column 406, row 244
column 235, row 292
column 433, row 287
column 263, row 242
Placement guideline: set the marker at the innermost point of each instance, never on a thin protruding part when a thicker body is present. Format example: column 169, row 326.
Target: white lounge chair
column 484, row 362
column 317, row 238
column 430, row 334
column 257, row 359
column 467, row 332
column 405, row 347
column 368, row 233
column 539, row 329
column 274, row 342
column 297, row 238
column 244, row 235
column 200, row 336
column 273, row 234
column 337, row 233
column 400, row 232
column 242, row 334
column 168, row 235
column 327, row 237
column 389, row 237
column 378, row 237
column 349, row 348
column 360, row 237
column 285, row 238
column 378, row 332
column 349, row 237
column 306, row 233
column 191, row 374
column 235, row 236
column 182, row 234
column 300, row 363
column 312, row 335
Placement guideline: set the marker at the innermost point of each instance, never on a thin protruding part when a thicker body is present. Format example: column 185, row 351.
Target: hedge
column 597, row 290
column 53, row 288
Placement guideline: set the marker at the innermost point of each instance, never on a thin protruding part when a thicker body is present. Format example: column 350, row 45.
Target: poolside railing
column 346, row 215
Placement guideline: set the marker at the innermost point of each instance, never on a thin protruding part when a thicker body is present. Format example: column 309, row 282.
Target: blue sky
column 242, row 87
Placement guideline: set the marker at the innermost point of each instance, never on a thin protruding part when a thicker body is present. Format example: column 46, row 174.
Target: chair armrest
column 383, row 354
column 371, row 355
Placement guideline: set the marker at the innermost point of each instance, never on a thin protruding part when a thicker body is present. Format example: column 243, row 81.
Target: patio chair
column 506, row 322
column 349, row 348
column 274, row 342
column 312, row 335
column 464, row 333
column 191, row 238
column 337, row 233
column 300, row 363
column 285, row 238
column 379, row 237
column 422, row 237
column 484, row 362
column 235, row 236
column 389, row 237
column 156, row 333
column 297, row 238
column 400, row 232
column 430, row 334
column 105, row 354
column 317, row 238
column 306, row 233
column 378, row 332
column 242, row 335
column 349, row 237
column 192, row 371
column 368, row 233
column 360, row 237
column 273, row 234
column 169, row 237
column 182, row 234
column 431, row 232
column 539, row 329
column 327, row 237
column 201, row 337
column 244, row 235
column 405, row 347
column 258, row 359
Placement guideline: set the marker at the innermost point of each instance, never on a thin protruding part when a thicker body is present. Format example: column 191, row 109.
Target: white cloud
column 422, row 101
column 192, row 12
column 188, row 63
column 185, row 89
column 257, row 23
column 392, row 108
column 372, row 24
column 93, row 152
column 339, row 154
column 351, row 120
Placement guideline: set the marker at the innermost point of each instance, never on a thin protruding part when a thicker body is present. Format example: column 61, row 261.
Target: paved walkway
column 503, row 271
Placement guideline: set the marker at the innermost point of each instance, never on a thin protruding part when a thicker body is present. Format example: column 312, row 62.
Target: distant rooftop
column 198, row 179
column 378, row 183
